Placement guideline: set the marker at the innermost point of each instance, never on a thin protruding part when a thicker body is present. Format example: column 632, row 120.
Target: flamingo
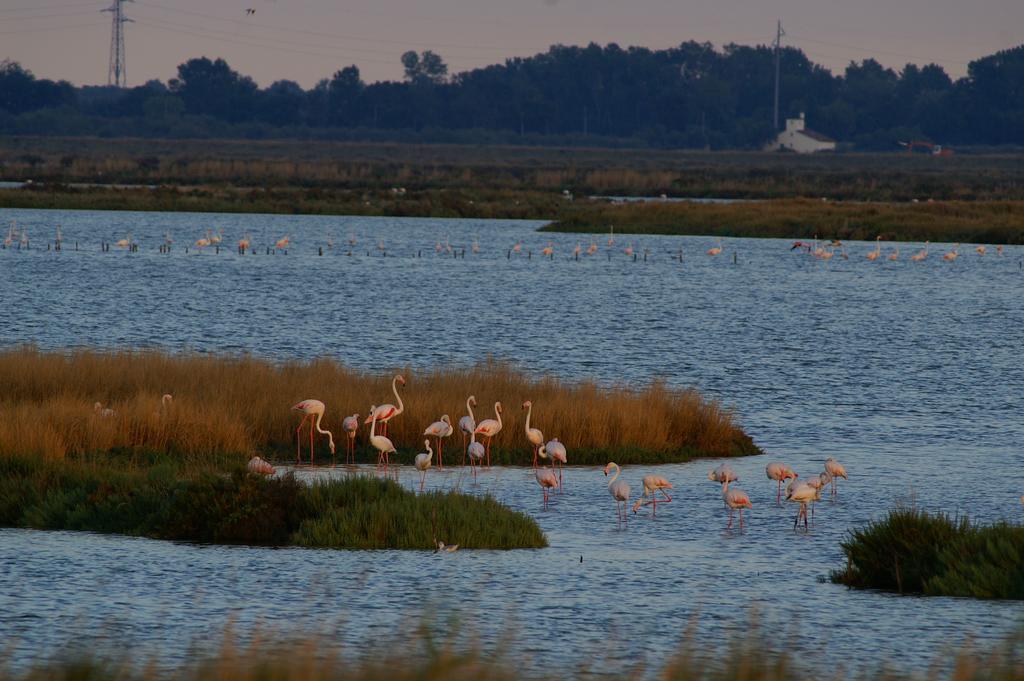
column 382, row 444
column 724, row 473
column 895, row 255
column 545, row 478
column 475, row 248
column 548, row 250
column 440, row 429
column 244, row 243
column 104, row 412
column 350, row 424
column 780, row 472
column 802, row 494
column 467, row 424
column 476, row 453
column 873, row 255
column 980, row 250
column 422, row 462
column 716, row 250
column 735, row 499
column 24, row 238
column 619, row 489
column 953, row 254
column 386, row 412
column 592, row 248
column 311, row 409
column 124, row 243
column 517, row 247
column 534, row 435
column 922, row 254
column 9, row 239
column 629, row 249
column 282, row 243
column 259, row 466
column 576, row 251
column 352, row 241
column 999, row 250
column 489, row 428
column 215, row 239
column 652, row 485
column 611, row 235
column 556, row 450
column 446, row 548
column 835, row 470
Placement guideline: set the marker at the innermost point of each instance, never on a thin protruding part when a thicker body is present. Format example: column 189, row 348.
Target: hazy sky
column 305, row 40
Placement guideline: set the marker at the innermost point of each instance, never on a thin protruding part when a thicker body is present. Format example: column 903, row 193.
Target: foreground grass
column 991, row 222
column 169, row 500
column 911, row 551
column 238, row 406
column 426, row 657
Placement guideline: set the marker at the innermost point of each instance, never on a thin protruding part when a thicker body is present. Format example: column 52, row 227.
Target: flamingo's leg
column 311, row 441
column 298, row 439
column 535, row 456
column 440, row 455
column 488, row 452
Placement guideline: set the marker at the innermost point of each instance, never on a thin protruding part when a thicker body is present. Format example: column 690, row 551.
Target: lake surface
column 908, row 373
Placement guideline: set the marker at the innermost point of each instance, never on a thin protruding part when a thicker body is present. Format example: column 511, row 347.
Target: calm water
column 908, row 373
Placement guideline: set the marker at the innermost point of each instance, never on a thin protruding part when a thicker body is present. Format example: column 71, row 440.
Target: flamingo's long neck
column 469, row 408
column 394, row 389
column 614, row 477
column 373, row 425
column 497, row 412
column 320, row 430
column 529, row 410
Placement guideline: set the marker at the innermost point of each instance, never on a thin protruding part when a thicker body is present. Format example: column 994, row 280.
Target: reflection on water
column 908, row 373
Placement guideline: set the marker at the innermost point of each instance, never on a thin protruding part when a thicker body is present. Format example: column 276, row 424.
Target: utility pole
column 778, row 41
column 116, row 73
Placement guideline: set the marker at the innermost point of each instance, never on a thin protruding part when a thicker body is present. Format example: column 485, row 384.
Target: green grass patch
column 911, row 551
column 168, row 501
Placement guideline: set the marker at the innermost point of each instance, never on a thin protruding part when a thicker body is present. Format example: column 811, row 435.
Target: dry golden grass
column 229, row 405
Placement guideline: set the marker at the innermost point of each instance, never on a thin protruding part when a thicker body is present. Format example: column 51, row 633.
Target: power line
column 116, row 70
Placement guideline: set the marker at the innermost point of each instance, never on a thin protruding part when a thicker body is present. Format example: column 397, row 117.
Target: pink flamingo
column 259, row 466
column 735, row 499
column 350, row 425
column 314, row 411
column 873, row 255
column 652, row 485
column 440, row 429
column 920, row 255
column 619, row 489
column 467, row 424
column 476, row 453
column 386, row 412
column 716, row 250
column 282, row 243
column 780, row 472
column 422, row 462
column 534, row 435
column 724, row 473
column 382, row 444
column 489, row 428
column 803, row 494
column 545, row 478
column 556, row 450
column 835, row 470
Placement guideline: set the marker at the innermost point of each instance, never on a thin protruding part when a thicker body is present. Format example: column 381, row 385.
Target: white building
column 796, row 137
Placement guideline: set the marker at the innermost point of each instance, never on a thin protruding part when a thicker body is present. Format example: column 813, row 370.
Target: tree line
column 690, row 96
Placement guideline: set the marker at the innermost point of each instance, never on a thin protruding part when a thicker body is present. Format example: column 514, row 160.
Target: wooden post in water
column 320, row 250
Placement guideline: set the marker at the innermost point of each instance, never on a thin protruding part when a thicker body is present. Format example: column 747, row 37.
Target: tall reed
column 241, row 405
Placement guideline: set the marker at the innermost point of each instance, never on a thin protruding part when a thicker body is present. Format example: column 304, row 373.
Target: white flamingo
column 350, row 425
column 619, row 489
column 382, row 444
column 386, row 412
column 476, row 453
column 534, row 435
column 489, row 428
column 835, row 470
column 467, row 424
column 440, row 429
column 422, row 462
column 556, row 450
column 652, row 485
column 873, row 255
column 735, row 499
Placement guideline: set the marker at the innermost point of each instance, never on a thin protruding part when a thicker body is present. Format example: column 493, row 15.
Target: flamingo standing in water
column 716, row 250
column 440, row 429
column 313, row 410
column 835, row 470
column 920, row 255
column 548, row 250
column 489, row 428
column 652, row 485
column 611, row 235
column 873, row 255
column 534, row 435
column 592, row 248
column 382, row 444
column 350, row 425
column 475, row 248
column 476, row 453
column 124, row 243
column 576, row 251
column 422, row 462
column 556, row 450
column 802, row 494
column 780, row 472
column 545, row 478
column 953, row 254
column 628, row 250
column 386, row 412
column 619, row 489
column 467, row 424
column 244, row 243
column 895, row 255
column 282, row 243
column 735, row 499
column 724, row 473
column 980, row 250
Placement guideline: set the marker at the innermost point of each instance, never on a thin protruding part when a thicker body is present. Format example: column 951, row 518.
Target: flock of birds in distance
column 822, row 250
column 553, row 452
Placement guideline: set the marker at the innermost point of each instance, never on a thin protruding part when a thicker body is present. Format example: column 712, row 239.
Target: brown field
column 239, row 406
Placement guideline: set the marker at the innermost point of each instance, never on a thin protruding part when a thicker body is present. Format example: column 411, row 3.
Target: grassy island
column 911, row 551
column 229, row 408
